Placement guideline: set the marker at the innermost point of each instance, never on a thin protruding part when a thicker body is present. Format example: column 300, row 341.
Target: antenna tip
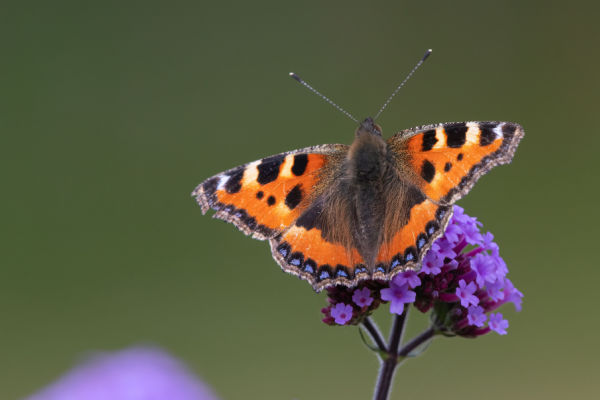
column 296, row 77
column 427, row 54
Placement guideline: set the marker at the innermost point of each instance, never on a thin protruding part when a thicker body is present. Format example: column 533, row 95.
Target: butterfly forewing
column 263, row 198
column 448, row 159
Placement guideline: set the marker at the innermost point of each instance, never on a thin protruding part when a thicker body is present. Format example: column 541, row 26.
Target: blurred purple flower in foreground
column 133, row 374
column 462, row 279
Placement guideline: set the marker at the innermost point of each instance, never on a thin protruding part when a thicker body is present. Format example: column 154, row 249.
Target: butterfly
column 336, row 214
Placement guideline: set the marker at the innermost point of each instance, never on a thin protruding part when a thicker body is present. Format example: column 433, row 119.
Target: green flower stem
column 375, row 334
column 394, row 353
column 423, row 337
column 389, row 364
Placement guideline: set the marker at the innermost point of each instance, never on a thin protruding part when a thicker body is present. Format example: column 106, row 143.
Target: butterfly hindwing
column 264, row 197
column 406, row 248
column 304, row 252
column 447, row 159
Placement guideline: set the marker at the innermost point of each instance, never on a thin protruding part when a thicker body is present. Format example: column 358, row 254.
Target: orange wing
column 265, row 197
column 449, row 158
column 444, row 161
column 303, row 251
column 406, row 249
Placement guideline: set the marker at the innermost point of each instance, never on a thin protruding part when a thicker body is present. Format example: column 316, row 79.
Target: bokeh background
column 112, row 112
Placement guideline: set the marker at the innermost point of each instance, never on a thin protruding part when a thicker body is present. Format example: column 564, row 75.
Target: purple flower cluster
column 351, row 306
column 462, row 279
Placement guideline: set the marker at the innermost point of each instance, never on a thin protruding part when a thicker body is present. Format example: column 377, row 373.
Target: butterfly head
column 367, row 152
column 368, row 127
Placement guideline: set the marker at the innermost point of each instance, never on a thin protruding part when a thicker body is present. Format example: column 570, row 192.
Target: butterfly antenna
column 421, row 61
column 315, row 91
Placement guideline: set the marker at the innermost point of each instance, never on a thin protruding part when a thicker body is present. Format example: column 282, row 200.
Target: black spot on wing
column 421, row 241
column 260, row 194
column 456, row 135
column 296, row 259
column 309, row 218
column 360, row 269
column 248, row 220
column 397, row 261
column 268, row 169
column 441, row 213
column 234, row 183
column 410, row 254
column 300, row 163
column 413, row 197
column 263, row 230
column 341, row 271
column 508, row 131
column 294, row 197
column 429, row 140
column 324, row 272
column 448, row 166
column 284, row 249
column 381, row 268
column 487, row 134
column 210, row 186
column 309, row 266
column 431, row 228
column 271, row 200
column 427, row 171
column 460, row 156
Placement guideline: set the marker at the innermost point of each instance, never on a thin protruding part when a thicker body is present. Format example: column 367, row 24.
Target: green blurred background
column 112, row 112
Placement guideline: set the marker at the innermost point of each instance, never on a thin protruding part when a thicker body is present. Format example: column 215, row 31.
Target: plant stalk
column 389, row 364
column 394, row 353
column 374, row 333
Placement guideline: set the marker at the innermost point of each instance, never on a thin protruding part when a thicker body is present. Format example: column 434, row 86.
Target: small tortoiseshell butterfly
column 336, row 214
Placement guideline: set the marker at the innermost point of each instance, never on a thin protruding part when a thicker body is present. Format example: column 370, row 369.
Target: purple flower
column 362, row 297
column 476, row 316
column 341, row 313
column 469, row 226
column 452, row 234
column 501, row 269
column 484, row 266
column 498, row 324
column 433, row 261
column 398, row 295
column 512, row 294
column 465, row 293
column 444, row 247
column 409, row 277
column 488, row 244
column 132, row 374
column 494, row 290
